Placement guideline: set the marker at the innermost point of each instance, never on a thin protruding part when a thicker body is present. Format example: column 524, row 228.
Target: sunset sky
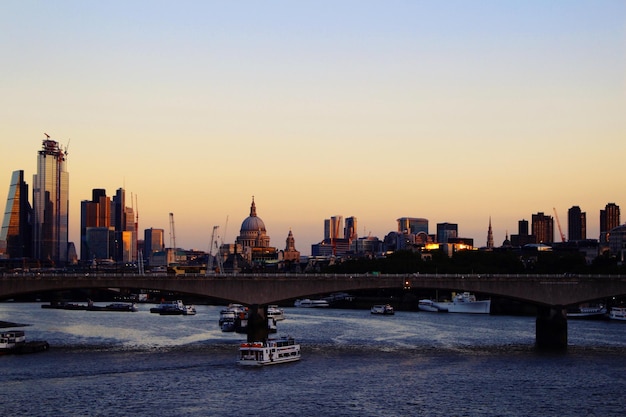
column 456, row 111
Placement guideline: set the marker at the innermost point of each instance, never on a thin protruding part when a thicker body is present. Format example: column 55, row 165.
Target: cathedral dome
column 253, row 223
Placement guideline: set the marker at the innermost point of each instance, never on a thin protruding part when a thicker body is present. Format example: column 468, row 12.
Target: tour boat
column 618, row 313
column 14, row 341
column 384, row 309
column 311, row 303
column 271, row 352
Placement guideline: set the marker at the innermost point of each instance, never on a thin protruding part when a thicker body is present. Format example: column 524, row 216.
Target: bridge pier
column 257, row 329
column 551, row 328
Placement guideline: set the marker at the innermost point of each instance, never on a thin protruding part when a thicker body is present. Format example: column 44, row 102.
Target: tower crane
column 218, row 255
column 558, row 223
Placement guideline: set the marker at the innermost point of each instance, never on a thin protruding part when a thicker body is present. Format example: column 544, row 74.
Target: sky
column 454, row 111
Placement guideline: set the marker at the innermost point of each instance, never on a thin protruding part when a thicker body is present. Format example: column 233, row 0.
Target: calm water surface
column 353, row 364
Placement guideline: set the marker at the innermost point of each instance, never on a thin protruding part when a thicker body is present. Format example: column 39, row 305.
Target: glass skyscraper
column 16, row 229
column 50, row 204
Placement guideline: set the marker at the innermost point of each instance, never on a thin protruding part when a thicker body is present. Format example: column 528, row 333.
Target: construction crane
column 558, row 223
column 172, row 235
column 218, row 255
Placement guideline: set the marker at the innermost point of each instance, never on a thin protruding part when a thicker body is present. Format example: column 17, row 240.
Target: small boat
column 14, row 341
column 171, row 308
column 307, row 303
column 431, row 306
column 587, row 312
column 190, row 310
column 271, row 352
column 114, row 307
column 618, row 313
column 276, row 313
column 384, row 309
column 234, row 318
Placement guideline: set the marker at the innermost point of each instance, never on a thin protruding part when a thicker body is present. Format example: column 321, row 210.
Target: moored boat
column 14, row 341
column 308, row 303
column 276, row 313
column 383, row 309
column 587, row 312
column 466, row 303
column 431, row 306
column 618, row 313
column 271, row 352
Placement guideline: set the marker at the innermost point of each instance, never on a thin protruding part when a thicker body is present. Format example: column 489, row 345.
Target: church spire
column 253, row 208
column 490, row 236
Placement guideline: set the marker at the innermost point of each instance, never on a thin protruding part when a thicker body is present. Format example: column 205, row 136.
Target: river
column 353, row 364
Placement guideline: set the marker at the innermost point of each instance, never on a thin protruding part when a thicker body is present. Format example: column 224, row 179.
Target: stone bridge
column 542, row 290
column 550, row 292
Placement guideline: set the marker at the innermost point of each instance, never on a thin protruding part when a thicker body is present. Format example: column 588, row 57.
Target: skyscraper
column 50, row 204
column 576, row 224
column 96, row 233
column 446, row 231
column 543, row 228
column 16, row 232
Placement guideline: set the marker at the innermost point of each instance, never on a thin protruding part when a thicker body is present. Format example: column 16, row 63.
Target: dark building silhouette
column 445, row 231
column 576, row 224
column 522, row 237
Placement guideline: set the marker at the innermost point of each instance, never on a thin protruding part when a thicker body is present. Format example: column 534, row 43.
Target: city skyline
column 449, row 111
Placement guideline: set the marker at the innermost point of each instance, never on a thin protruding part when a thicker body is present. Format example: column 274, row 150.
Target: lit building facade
column 51, row 204
column 609, row 219
column 16, row 232
column 543, row 228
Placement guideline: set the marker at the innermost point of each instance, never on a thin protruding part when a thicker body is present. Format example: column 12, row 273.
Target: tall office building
column 350, row 231
column 543, row 228
column 576, row 224
column 412, row 225
column 122, row 219
column 50, row 204
column 96, row 232
column 333, row 228
column 16, row 232
column 445, row 231
column 609, row 219
column 154, row 241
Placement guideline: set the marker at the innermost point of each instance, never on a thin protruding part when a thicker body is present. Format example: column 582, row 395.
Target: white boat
column 466, row 303
column 431, row 306
column 384, row 309
column 14, row 341
column 618, row 313
column 190, row 310
column 276, row 313
column 587, row 312
column 272, row 352
column 307, row 303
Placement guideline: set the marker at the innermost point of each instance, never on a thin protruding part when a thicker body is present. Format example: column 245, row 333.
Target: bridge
column 550, row 292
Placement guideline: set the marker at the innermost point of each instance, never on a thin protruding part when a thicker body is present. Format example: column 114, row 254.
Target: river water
column 353, row 364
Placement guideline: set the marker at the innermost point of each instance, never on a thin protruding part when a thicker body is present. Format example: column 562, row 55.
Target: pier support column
column 257, row 323
column 551, row 328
